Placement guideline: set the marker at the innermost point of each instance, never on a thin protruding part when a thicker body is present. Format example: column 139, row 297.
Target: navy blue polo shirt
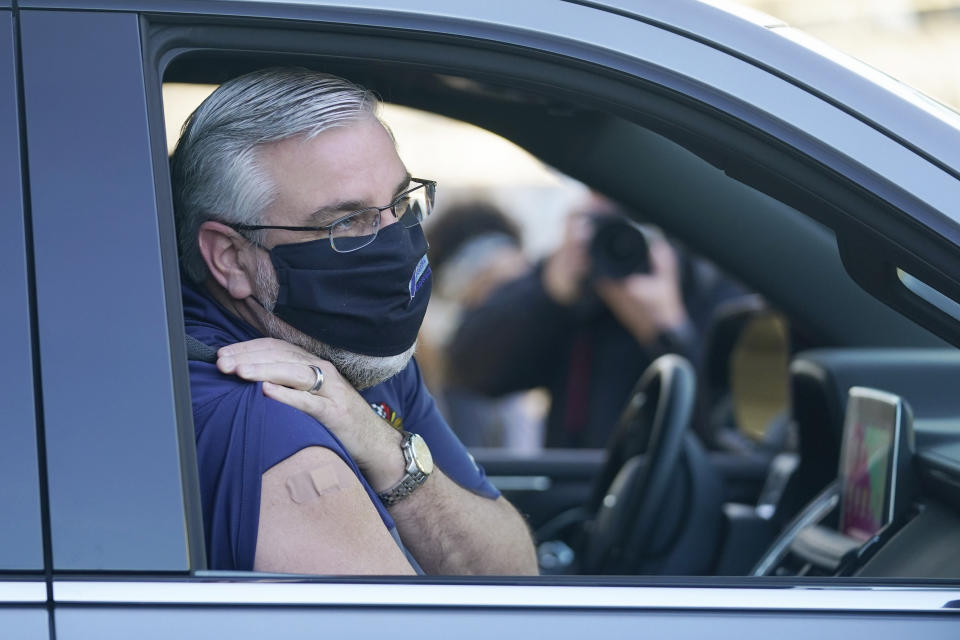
column 241, row 434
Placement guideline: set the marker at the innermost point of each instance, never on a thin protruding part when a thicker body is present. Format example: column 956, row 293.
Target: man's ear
column 222, row 250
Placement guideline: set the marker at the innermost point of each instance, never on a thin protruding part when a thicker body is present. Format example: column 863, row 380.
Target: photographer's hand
column 566, row 269
column 647, row 304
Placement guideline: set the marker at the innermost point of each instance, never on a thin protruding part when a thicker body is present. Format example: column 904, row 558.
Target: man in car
column 319, row 449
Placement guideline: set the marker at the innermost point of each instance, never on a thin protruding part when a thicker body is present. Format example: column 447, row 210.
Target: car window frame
column 21, row 528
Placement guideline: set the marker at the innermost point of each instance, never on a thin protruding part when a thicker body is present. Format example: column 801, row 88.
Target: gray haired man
column 305, row 266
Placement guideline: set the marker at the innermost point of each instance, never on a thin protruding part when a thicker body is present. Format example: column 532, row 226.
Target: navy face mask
column 369, row 301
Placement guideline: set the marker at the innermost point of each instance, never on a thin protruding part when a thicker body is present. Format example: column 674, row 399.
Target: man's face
column 315, row 182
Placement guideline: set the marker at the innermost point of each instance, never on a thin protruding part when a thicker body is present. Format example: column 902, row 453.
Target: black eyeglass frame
column 431, row 185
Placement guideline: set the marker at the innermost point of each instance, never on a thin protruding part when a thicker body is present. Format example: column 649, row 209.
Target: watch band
column 412, row 479
column 402, row 489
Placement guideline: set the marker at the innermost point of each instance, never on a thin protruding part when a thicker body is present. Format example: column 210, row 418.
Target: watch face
column 421, row 454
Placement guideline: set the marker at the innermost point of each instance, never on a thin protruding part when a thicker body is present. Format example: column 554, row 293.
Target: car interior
column 733, row 468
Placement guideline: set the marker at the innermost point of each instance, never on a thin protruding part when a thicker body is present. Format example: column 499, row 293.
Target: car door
column 125, row 532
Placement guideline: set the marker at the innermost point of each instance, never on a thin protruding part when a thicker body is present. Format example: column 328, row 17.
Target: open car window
column 680, row 188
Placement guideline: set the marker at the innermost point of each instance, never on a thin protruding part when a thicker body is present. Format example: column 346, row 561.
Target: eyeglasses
column 358, row 229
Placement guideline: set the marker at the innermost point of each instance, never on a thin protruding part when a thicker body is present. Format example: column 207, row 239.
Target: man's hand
column 647, row 304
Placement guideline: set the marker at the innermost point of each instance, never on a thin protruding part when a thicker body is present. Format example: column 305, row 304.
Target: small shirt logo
column 383, row 410
column 420, row 275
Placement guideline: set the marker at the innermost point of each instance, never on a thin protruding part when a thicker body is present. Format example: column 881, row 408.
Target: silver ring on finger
column 319, row 382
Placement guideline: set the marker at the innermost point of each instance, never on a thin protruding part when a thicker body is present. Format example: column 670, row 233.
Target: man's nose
column 388, row 217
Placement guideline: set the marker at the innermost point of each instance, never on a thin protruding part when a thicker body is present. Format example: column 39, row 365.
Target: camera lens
column 618, row 248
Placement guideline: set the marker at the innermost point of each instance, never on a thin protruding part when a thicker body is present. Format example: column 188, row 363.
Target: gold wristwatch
column 416, row 453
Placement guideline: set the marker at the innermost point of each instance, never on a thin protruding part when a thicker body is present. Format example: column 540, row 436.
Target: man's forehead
column 339, row 170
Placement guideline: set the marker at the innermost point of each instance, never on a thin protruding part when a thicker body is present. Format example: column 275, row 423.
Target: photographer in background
column 587, row 321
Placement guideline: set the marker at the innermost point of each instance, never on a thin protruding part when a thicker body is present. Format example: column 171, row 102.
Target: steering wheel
column 643, row 457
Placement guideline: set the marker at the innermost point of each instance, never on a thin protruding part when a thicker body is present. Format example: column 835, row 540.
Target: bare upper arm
column 316, row 517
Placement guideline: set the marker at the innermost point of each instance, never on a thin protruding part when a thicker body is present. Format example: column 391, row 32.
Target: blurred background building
column 915, row 41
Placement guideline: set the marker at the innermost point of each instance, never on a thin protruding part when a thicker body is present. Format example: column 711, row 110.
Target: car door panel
column 20, row 531
column 109, row 406
column 25, row 624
